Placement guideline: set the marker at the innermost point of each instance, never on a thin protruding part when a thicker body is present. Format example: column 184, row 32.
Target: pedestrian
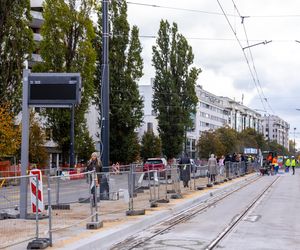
column 221, row 165
column 185, row 170
column 212, row 167
column 287, row 165
column 293, row 164
column 275, row 164
column 94, row 164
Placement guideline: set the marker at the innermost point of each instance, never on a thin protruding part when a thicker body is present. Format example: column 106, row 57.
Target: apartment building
column 36, row 24
column 241, row 117
column 276, row 129
column 210, row 115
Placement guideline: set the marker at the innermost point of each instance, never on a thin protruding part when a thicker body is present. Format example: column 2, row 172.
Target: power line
column 251, row 56
column 211, row 12
column 224, row 39
column 176, row 8
column 245, row 56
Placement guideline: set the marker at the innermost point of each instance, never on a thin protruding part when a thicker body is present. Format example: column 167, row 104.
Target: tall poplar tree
column 126, row 64
column 16, row 45
column 174, row 97
column 67, row 46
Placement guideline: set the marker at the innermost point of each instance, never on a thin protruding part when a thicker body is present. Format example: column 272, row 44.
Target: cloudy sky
column 269, row 82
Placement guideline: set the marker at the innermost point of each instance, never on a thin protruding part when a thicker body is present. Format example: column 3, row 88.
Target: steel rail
column 239, row 218
column 133, row 242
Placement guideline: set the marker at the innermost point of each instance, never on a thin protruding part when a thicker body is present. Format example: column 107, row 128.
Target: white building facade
column 276, row 129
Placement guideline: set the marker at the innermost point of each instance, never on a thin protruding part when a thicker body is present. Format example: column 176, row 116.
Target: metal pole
column 104, row 94
column 25, row 146
column 37, row 206
column 294, row 142
column 49, row 210
column 72, row 135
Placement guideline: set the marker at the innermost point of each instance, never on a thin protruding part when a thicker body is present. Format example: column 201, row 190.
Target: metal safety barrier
column 14, row 230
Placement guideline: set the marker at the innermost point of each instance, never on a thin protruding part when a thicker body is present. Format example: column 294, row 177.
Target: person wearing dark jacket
column 185, row 170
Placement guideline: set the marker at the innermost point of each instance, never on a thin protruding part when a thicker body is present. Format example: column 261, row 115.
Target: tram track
column 214, row 244
column 150, row 233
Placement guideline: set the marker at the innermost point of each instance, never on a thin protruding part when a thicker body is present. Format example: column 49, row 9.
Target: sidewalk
column 118, row 226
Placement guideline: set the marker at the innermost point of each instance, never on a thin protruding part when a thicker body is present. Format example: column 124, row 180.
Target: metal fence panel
column 13, row 230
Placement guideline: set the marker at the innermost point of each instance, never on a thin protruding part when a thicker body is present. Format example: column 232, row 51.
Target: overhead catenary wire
column 210, row 12
column 245, row 56
column 252, row 59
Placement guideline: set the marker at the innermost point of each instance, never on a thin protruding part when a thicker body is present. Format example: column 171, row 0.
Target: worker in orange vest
column 275, row 164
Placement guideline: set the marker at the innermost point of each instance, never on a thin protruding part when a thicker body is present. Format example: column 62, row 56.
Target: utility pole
column 72, row 136
column 294, row 142
column 104, row 95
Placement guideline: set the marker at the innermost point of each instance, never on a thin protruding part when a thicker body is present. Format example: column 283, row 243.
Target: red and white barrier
column 33, row 191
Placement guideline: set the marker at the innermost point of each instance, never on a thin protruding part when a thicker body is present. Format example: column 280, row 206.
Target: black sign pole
column 72, row 135
column 104, row 187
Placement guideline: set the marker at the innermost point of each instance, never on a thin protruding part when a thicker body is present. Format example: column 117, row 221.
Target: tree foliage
column 67, row 46
column 249, row 138
column 210, row 143
column 174, row 87
column 16, row 45
column 150, row 145
column 10, row 134
column 278, row 149
column 226, row 140
column 126, row 64
column 37, row 138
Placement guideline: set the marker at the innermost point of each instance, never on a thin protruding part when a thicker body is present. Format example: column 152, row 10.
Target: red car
column 155, row 164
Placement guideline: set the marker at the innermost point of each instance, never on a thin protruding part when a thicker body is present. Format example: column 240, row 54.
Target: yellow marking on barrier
column 2, row 183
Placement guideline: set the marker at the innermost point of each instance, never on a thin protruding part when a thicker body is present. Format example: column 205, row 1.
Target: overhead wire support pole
column 264, row 43
column 104, row 94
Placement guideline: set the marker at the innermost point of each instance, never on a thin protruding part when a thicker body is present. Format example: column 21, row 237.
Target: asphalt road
column 272, row 223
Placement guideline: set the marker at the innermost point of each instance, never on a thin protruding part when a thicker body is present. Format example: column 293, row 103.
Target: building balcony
column 37, row 37
column 36, row 3
column 37, row 19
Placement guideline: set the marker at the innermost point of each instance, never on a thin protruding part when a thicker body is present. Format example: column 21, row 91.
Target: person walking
column 287, row 165
column 293, row 164
column 212, row 167
column 221, row 165
column 94, row 164
column 185, row 170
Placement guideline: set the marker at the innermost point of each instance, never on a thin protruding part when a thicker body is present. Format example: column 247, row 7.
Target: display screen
column 52, row 91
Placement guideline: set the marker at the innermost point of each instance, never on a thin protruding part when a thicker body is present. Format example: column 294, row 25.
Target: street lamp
column 294, row 142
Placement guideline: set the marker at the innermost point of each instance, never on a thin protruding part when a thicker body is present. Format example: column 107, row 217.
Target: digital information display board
column 48, row 89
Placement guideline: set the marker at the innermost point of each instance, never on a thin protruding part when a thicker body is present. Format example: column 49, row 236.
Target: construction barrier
column 36, row 188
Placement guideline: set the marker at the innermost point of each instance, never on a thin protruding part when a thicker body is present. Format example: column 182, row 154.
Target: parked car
column 158, row 164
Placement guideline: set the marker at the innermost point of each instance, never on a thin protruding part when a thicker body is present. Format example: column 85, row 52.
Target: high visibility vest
column 293, row 164
column 274, row 162
column 288, row 162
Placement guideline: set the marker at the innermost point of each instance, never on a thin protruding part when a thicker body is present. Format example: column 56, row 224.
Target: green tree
column 37, row 138
column 249, row 138
column 292, row 147
column 174, row 97
column 210, row 143
column 10, row 134
column 16, row 45
column 279, row 149
column 228, row 138
column 151, row 145
column 126, row 64
column 67, row 46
